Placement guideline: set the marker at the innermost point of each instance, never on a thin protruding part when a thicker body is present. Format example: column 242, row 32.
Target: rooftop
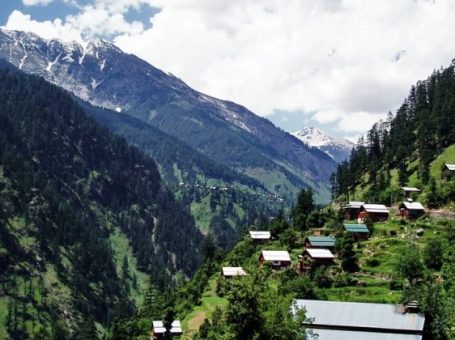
column 356, row 317
column 375, row 208
column 158, row 327
column 413, row 205
column 321, row 241
column 451, row 167
column 276, row 255
column 233, row 271
column 320, row 253
column 356, row 228
column 260, row 235
column 354, row 204
column 410, row 189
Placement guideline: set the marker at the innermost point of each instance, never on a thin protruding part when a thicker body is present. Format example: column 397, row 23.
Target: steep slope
column 337, row 148
column 226, row 132
column 70, row 194
column 409, row 149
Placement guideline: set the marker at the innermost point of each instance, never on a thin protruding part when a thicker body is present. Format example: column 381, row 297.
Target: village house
column 319, row 242
column 352, row 209
column 360, row 231
column 354, row 320
column 450, row 167
column 278, row 259
column 312, row 257
column 411, row 210
column 375, row 212
column 408, row 191
column 229, row 272
column 260, row 236
column 159, row 331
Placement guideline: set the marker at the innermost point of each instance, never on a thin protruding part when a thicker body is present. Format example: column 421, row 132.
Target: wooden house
column 159, row 331
column 360, row 231
column 319, row 242
column 352, row 209
column 408, row 191
column 260, row 236
column 315, row 257
column 357, row 320
column 411, row 209
column 375, row 212
column 278, row 259
column 229, row 272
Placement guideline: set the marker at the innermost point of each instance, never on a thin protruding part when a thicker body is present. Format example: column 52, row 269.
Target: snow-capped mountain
column 337, row 148
column 228, row 133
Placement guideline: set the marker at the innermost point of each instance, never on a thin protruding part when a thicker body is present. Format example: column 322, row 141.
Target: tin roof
column 276, row 255
column 410, row 189
column 321, row 241
column 356, row 316
column 375, row 208
column 331, row 334
column 356, row 228
column 354, row 204
column 320, row 253
column 451, row 167
column 233, row 271
column 413, row 205
column 260, row 235
column 158, row 327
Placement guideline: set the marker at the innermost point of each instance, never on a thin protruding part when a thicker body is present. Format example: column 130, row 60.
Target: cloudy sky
column 340, row 65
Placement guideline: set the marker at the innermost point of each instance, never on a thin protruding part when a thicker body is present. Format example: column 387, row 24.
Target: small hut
column 375, row 212
column 352, row 209
column 408, row 191
column 278, row 259
column 229, row 272
column 315, row 257
column 159, row 331
column 319, row 242
column 260, row 236
column 411, row 210
column 360, row 231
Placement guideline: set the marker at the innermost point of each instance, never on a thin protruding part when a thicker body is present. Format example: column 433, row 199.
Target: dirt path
column 442, row 214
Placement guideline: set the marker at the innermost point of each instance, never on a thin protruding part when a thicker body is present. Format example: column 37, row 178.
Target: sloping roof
column 331, row 334
column 321, row 241
column 354, row 204
column 410, row 189
column 233, row 271
column 356, row 316
column 260, row 235
column 320, row 253
column 158, row 327
column 451, row 167
column 276, row 255
column 356, row 228
column 375, row 208
column 413, row 205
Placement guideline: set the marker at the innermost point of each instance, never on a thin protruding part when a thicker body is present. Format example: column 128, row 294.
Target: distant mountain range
column 338, row 149
column 227, row 133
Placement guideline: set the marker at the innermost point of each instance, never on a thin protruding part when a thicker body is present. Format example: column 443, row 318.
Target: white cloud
column 36, row 2
column 350, row 61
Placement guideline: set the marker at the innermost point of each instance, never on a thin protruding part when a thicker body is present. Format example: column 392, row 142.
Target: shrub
column 372, row 262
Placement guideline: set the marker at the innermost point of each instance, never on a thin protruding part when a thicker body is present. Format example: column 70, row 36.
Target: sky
column 340, row 65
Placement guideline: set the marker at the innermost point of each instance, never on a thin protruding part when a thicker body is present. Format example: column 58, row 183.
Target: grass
column 448, row 156
column 202, row 213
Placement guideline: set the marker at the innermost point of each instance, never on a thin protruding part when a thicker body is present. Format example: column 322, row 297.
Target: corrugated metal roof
column 321, row 241
column 451, row 167
column 413, row 206
column 331, row 334
column 158, row 327
column 276, row 255
column 376, row 208
column 233, row 271
column 260, row 235
column 410, row 189
column 354, row 204
column 320, row 253
column 356, row 228
column 375, row 316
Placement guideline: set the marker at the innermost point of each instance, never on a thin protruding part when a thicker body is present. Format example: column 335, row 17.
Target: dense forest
column 401, row 149
column 70, row 193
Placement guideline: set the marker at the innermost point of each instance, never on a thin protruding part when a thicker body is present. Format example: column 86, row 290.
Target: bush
column 342, row 280
column 372, row 262
column 393, row 233
column 395, row 285
column 322, row 278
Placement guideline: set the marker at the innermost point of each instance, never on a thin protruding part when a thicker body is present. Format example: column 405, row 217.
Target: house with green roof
column 319, row 242
column 360, row 231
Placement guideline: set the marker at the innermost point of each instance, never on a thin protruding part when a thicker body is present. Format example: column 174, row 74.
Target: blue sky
column 339, row 65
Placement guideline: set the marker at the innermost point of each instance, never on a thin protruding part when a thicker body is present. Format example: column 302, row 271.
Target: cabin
column 360, row 231
column 312, row 257
column 355, row 320
column 228, row 272
column 411, row 210
column 278, row 259
column 352, row 209
column 408, row 191
column 450, row 167
column 260, row 236
column 159, row 331
column 319, row 242
column 375, row 212
column 448, row 171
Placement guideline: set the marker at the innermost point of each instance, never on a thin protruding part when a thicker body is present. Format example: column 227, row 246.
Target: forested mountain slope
column 70, row 193
column 409, row 148
column 226, row 132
